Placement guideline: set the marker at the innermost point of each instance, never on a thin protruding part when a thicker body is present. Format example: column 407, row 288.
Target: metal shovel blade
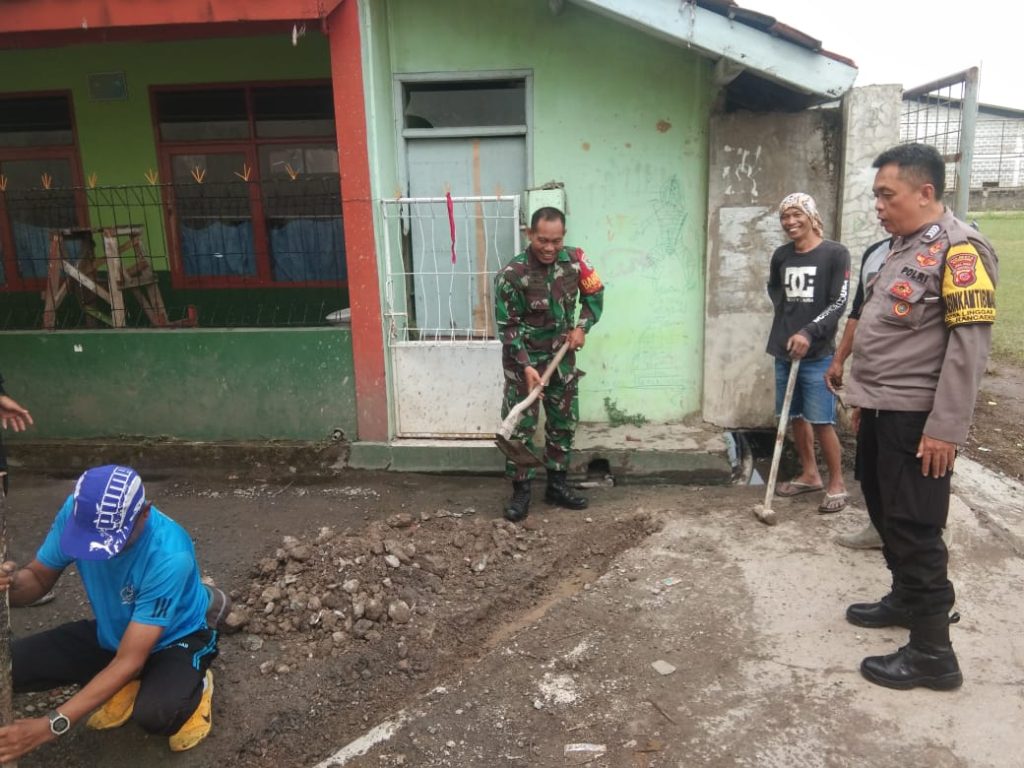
column 516, row 451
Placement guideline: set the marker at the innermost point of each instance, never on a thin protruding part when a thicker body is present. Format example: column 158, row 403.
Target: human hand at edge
column 532, row 378
column 937, row 456
column 13, row 416
column 577, row 337
column 834, row 377
column 22, row 736
column 797, row 346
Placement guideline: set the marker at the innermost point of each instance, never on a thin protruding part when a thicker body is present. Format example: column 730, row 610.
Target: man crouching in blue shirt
column 146, row 655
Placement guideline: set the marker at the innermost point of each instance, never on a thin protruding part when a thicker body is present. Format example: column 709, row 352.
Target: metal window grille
column 441, row 255
column 282, row 267
column 943, row 114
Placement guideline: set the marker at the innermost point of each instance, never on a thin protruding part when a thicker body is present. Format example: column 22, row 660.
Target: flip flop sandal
column 47, row 598
column 833, row 503
column 794, row 488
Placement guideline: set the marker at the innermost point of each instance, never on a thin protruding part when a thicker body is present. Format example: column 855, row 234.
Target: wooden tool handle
column 517, row 410
column 780, row 435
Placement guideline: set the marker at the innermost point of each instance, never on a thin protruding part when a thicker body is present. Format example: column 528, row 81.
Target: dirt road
column 405, row 600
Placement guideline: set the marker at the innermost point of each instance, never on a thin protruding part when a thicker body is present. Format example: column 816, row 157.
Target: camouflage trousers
column 561, row 415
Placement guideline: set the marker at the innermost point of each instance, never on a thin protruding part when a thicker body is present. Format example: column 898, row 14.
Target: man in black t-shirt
column 808, row 284
column 870, row 264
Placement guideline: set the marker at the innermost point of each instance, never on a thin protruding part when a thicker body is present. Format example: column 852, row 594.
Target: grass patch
column 1006, row 232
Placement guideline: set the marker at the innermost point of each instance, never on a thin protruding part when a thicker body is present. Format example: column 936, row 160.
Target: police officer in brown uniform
column 918, row 356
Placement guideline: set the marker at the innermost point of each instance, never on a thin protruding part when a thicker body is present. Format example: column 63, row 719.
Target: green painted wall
column 117, row 142
column 622, row 119
column 241, row 384
column 116, row 138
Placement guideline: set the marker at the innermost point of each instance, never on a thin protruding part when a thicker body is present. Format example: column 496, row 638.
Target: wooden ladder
column 84, row 279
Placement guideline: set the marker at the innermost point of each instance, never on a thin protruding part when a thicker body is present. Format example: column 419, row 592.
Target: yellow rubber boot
column 198, row 726
column 117, row 710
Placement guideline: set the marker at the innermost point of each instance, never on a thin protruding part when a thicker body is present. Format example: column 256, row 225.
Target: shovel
column 516, row 450
column 764, row 512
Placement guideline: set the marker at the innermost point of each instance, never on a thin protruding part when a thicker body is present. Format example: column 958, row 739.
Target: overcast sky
column 913, row 43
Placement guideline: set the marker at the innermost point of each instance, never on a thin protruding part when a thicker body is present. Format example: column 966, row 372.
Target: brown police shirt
column 924, row 332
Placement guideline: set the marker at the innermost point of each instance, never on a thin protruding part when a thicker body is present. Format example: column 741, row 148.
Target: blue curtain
column 307, row 249
column 218, row 249
column 32, row 245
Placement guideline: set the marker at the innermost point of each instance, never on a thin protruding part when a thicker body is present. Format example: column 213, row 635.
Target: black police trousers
column 908, row 509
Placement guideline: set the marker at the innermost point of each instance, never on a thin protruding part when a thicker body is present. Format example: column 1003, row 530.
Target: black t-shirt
column 809, row 292
column 870, row 263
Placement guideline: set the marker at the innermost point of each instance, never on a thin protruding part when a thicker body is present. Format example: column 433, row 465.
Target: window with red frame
column 39, row 170
column 255, row 188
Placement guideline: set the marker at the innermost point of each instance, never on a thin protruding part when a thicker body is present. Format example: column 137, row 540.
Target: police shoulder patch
column 967, row 288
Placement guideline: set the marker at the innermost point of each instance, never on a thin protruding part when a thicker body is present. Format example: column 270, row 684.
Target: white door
column 466, row 163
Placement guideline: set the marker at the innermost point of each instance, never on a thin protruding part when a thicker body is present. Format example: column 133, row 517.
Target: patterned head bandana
column 806, row 204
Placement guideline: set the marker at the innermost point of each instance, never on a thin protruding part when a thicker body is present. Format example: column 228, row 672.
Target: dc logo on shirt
column 127, row 594
column 799, row 282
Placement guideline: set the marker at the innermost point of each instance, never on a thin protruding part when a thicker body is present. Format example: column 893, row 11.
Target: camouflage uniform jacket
column 535, row 307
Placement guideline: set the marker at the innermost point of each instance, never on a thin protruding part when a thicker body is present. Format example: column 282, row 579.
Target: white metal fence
column 943, row 113
column 441, row 255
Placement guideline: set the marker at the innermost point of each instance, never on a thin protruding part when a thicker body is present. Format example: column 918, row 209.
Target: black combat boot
column 887, row 612
column 927, row 660
column 560, row 494
column 518, row 506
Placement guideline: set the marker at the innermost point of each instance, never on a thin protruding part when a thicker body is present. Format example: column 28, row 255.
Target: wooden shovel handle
column 514, row 414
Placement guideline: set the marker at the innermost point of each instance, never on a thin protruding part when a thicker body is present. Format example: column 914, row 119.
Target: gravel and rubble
column 335, row 594
column 348, row 600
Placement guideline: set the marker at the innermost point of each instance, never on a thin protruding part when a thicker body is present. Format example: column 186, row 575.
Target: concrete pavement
column 762, row 667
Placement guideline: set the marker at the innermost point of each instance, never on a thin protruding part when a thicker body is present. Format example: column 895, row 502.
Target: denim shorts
column 812, row 400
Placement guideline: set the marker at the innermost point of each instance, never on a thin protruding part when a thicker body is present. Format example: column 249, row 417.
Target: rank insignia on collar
column 926, row 261
column 931, row 232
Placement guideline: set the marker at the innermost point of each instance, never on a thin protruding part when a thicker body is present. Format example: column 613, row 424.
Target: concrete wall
column 756, row 160
column 243, row 384
column 621, row 118
column 997, row 199
column 871, row 124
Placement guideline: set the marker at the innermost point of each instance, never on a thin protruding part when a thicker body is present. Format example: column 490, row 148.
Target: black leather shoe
column 560, row 494
column 877, row 615
column 910, row 667
column 518, row 506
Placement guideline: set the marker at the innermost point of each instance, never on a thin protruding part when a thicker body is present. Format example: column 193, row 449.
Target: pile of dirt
column 393, row 583
column 381, row 614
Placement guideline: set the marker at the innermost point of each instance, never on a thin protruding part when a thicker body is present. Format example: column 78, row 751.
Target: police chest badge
column 967, row 288
column 590, row 282
column 902, row 289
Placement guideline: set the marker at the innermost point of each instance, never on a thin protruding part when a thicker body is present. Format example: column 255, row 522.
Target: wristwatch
column 59, row 724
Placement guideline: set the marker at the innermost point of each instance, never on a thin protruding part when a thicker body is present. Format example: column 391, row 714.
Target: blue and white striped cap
column 106, row 504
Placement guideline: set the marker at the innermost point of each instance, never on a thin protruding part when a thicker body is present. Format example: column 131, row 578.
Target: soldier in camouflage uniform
column 535, row 306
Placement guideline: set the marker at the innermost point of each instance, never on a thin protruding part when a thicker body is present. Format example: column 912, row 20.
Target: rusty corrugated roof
column 771, row 25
